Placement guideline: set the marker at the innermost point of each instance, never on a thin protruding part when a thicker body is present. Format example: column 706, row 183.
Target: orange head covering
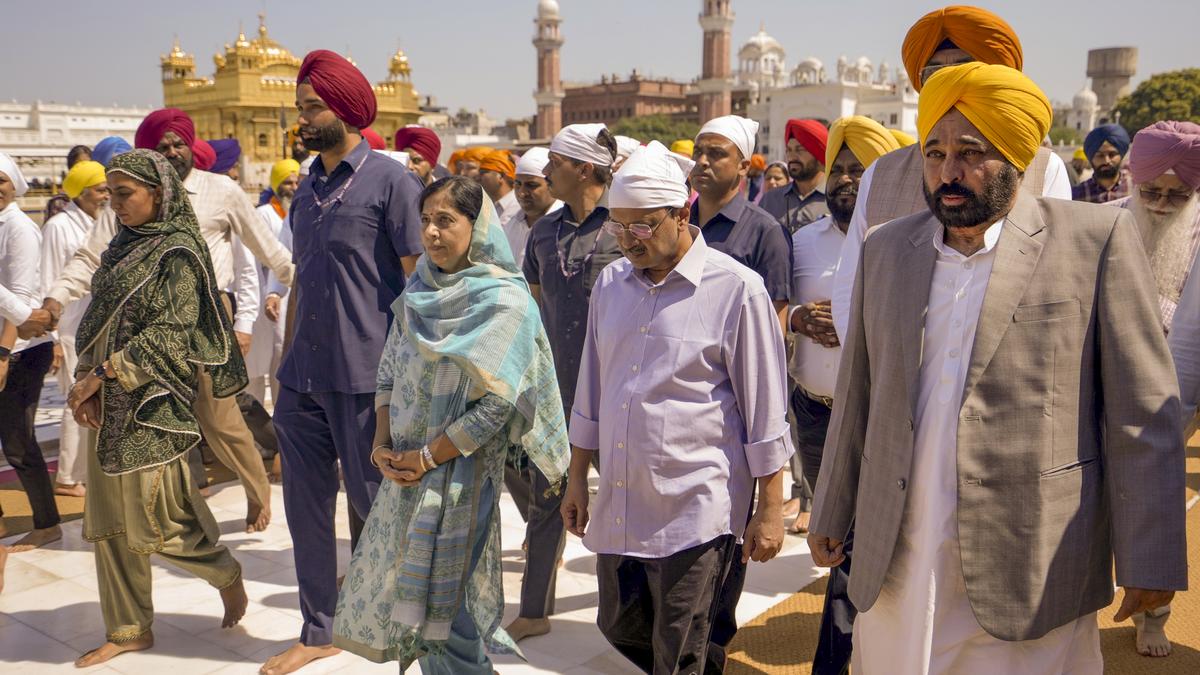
column 978, row 32
column 477, row 153
column 758, row 162
column 500, row 162
column 455, row 158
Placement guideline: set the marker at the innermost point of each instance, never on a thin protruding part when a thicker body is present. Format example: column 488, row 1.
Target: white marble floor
column 49, row 610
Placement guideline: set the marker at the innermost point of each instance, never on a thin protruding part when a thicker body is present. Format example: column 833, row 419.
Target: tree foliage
column 1174, row 95
column 1065, row 135
column 659, row 128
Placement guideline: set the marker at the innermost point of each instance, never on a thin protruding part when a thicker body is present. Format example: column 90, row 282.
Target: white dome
column 760, row 44
column 863, row 63
column 1085, row 99
column 811, row 63
column 548, row 9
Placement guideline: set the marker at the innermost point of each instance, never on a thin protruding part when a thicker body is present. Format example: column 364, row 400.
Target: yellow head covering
column 1005, row 105
column 683, row 146
column 477, row 153
column 281, row 170
column 976, row 31
column 902, row 138
column 83, row 176
column 1079, row 154
column 865, row 137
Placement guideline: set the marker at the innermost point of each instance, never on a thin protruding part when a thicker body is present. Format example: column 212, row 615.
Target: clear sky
column 477, row 53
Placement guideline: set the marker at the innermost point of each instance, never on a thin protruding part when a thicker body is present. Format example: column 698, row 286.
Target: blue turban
column 1113, row 133
column 228, row 151
column 108, row 148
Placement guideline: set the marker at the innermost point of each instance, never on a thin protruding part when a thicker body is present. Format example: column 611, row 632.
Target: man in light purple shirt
column 682, row 390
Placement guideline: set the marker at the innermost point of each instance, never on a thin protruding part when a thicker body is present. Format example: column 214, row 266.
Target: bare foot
column 235, row 601
column 37, row 539
column 275, row 475
column 1151, row 634
column 110, row 649
column 76, row 490
column 800, row 524
column 257, row 517
column 522, row 628
column 791, row 507
column 296, row 657
column 3, row 560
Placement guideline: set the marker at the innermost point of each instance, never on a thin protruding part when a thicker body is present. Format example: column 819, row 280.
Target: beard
column 841, row 213
column 181, row 165
column 285, row 203
column 325, row 138
column 1106, row 172
column 1167, row 239
column 979, row 209
column 803, row 171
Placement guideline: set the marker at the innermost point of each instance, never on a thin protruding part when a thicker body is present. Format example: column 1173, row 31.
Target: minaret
column 549, row 95
column 716, row 79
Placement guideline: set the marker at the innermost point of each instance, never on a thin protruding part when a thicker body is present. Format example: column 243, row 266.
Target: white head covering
column 626, row 146
column 9, row 168
column 652, row 177
column 401, row 157
column 306, row 165
column 738, row 129
column 578, row 141
column 533, row 161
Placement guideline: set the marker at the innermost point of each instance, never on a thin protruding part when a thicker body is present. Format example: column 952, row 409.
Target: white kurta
column 923, row 621
column 266, row 336
column 517, row 228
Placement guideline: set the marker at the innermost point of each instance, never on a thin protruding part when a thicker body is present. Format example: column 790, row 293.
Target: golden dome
column 177, row 57
column 262, row 50
column 399, row 67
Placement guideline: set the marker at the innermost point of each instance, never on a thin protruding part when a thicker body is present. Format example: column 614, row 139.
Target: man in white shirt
column 62, row 235
column 223, row 212
column 23, row 368
column 854, row 144
column 262, row 361
column 533, row 197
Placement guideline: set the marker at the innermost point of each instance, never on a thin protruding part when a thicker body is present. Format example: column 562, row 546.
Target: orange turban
column 455, row 158
column 978, row 32
column 758, row 162
column 477, row 153
column 500, row 162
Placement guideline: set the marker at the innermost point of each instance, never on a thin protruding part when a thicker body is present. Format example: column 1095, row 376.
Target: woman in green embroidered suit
column 466, row 375
column 155, row 321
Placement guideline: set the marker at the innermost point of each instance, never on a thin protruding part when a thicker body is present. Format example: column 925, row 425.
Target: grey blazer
column 1070, row 445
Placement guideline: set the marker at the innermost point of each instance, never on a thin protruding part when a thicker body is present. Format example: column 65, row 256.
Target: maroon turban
column 373, row 139
column 1167, row 146
column 341, row 86
column 809, row 133
column 203, row 154
column 421, row 141
column 159, row 122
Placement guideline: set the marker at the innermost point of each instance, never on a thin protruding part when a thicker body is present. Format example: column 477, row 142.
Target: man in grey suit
column 1005, row 426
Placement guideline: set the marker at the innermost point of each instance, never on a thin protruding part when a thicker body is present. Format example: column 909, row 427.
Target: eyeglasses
column 637, row 230
column 1151, row 196
column 928, row 71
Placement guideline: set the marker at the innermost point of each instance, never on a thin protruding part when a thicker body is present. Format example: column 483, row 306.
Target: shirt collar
column 795, row 188
column 991, row 237
column 691, row 266
column 350, row 160
column 824, row 224
column 192, row 183
column 731, row 211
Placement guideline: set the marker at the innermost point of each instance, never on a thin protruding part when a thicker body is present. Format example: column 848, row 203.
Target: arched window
column 262, row 140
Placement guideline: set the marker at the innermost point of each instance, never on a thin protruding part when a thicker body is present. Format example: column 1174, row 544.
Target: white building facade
column 39, row 135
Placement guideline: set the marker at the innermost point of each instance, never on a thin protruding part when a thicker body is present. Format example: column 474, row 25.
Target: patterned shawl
column 132, row 291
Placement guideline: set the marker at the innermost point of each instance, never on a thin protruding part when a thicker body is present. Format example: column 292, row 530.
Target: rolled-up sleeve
column 758, row 373
column 584, row 428
column 480, row 424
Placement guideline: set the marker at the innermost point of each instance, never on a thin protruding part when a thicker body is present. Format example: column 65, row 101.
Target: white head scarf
column 652, row 177
column 626, row 146
column 578, row 141
column 9, row 168
column 533, row 161
column 737, row 129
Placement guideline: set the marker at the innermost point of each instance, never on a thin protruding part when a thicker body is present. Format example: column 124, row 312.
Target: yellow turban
column 477, row 153
column 865, row 137
column 902, row 138
column 282, row 169
column 1005, row 105
column 978, row 32
column 683, row 146
column 1079, row 154
column 83, row 176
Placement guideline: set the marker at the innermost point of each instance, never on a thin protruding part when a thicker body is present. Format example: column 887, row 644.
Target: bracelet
column 371, row 458
column 427, row 462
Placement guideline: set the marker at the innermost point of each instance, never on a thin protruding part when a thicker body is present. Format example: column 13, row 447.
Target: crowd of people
column 956, row 361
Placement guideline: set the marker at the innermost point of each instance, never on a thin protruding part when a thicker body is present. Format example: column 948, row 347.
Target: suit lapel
column 1017, row 255
column 916, row 275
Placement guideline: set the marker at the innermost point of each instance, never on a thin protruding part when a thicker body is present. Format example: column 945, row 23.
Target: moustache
column 848, row 191
column 953, row 190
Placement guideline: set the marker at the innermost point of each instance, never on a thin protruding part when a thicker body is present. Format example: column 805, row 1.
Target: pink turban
column 203, row 154
column 1167, row 146
column 159, row 122
column 373, row 139
column 421, row 141
column 341, row 86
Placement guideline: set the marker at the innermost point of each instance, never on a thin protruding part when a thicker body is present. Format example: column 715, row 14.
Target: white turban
column 737, row 129
column 578, row 141
column 652, row 177
column 306, row 165
column 626, row 146
column 9, row 168
column 401, row 157
column 533, row 161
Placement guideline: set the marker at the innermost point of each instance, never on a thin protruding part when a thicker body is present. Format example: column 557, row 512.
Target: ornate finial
column 262, row 23
column 762, row 26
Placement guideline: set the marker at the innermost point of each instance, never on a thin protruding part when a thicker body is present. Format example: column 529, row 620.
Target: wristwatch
column 99, row 372
column 5, row 352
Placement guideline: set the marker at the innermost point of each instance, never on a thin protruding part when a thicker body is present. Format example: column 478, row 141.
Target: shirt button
column 901, row 484
column 642, row 329
column 969, row 265
column 620, row 446
column 624, row 406
column 954, row 353
column 957, row 323
column 618, row 520
column 313, row 317
column 314, row 348
column 635, row 369
column 620, row 483
column 653, row 291
column 910, row 425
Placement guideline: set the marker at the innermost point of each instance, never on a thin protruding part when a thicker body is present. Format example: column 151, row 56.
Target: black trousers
column 658, row 612
column 834, row 645
column 544, row 534
column 18, row 407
